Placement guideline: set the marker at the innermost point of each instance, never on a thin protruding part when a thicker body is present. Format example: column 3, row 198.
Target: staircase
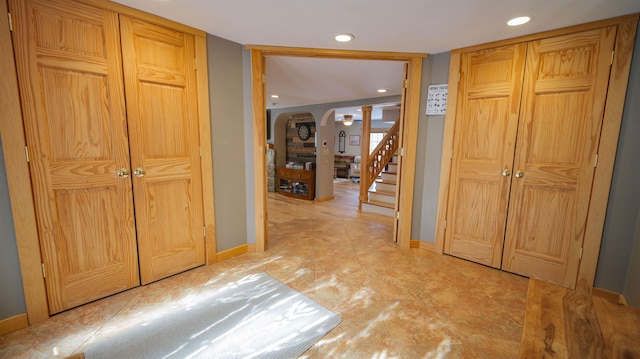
column 378, row 175
column 382, row 192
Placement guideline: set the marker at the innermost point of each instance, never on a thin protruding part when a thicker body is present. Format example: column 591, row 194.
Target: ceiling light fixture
column 344, row 37
column 382, row 90
column 275, row 96
column 518, row 21
column 347, row 120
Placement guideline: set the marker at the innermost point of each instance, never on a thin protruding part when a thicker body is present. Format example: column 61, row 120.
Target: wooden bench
column 564, row 323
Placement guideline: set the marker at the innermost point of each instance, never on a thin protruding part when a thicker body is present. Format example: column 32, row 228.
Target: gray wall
column 621, row 222
column 632, row 287
column 248, row 145
column 355, row 129
column 435, row 70
column 226, row 93
column 11, row 293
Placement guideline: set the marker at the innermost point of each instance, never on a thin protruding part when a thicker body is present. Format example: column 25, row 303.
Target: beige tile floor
column 394, row 303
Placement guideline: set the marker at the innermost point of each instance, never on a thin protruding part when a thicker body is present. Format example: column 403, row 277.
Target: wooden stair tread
column 388, row 193
column 381, row 204
column 389, row 182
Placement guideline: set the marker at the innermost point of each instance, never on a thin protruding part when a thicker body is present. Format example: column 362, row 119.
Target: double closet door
column 528, row 123
column 110, row 113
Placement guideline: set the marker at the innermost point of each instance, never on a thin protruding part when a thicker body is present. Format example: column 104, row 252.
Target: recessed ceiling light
column 518, row 21
column 344, row 37
column 275, row 96
column 382, row 90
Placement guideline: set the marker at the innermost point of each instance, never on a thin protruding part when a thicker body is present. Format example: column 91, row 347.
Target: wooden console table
column 297, row 183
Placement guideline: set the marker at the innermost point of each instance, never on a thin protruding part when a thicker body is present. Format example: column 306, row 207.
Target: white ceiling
column 421, row 26
column 305, row 81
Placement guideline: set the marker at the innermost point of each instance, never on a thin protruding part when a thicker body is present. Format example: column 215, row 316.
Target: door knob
column 123, row 173
column 519, row 174
column 139, row 172
column 506, row 172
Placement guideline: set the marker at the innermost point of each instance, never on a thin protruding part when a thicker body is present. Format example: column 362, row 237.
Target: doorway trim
column 408, row 141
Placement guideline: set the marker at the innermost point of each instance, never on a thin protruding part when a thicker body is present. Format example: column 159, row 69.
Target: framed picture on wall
column 354, row 140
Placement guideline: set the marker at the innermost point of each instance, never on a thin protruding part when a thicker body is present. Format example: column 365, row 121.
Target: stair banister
column 382, row 154
column 372, row 164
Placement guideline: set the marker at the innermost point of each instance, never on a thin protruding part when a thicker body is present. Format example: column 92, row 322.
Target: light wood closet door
column 563, row 104
column 484, row 143
column 160, row 87
column 70, row 75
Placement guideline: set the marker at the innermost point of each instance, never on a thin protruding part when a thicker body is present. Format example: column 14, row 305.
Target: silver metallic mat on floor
column 254, row 317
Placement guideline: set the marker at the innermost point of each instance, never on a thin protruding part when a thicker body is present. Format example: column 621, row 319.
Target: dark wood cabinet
column 298, row 183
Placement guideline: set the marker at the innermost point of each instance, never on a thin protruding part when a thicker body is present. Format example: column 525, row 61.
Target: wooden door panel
column 484, row 131
column 546, row 210
column 473, row 232
column 68, row 110
column 173, row 240
column 85, row 217
column 563, row 104
column 164, row 202
column 165, row 107
column 484, row 142
column 70, row 73
column 555, row 142
column 163, row 126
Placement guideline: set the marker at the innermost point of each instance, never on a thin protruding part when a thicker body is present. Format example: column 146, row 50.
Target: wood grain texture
column 51, row 57
column 565, row 87
column 409, row 143
column 364, row 150
column 564, row 323
column 141, row 15
column 206, row 161
column 487, row 114
column 164, row 129
column 620, row 328
column 14, row 323
column 427, row 246
column 626, row 28
column 335, row 54
column 607, row 151
column 232, row 252
column 77, row 143
column 608, row 295
column 18, row 178
column 582, row 331
column 258, row 84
